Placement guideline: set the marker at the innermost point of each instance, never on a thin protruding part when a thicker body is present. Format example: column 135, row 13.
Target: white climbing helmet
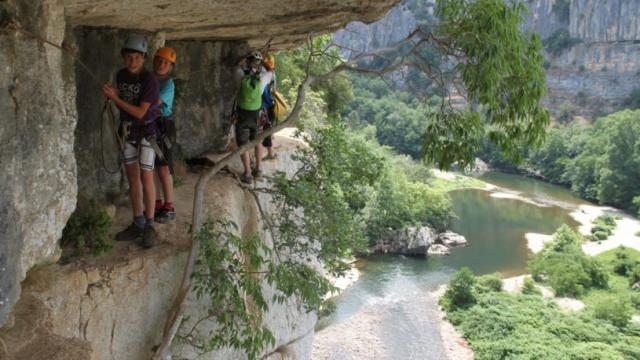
column 135, row 42
column 255, row 56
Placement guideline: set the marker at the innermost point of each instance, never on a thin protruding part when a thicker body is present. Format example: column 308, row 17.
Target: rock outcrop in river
column 418, row 241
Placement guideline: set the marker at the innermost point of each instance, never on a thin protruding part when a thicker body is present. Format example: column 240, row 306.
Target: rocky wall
column 115, row 307
column 605, row 21
column 37, row 181
column 204, row 98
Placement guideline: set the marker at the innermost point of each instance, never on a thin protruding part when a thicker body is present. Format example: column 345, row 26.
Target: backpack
column 250, row 92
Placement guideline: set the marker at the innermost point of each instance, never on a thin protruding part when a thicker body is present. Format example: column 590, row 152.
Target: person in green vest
column 253, row 79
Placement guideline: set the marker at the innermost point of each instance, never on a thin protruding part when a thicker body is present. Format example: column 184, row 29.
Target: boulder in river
column 449, row 238
column 438, row 250
column 409, row 241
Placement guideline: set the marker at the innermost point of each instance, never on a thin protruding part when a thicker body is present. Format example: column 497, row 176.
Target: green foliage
column 529, row 287
column 623, row 263
column 560, row 41
column 488, row 283
column 460, row 292
column 603, row 227
column 398, row 118
column 500, row 325
column 88, row 229
column 565, row 267
column 503, row 73
column 505, row 326
column 566, row 112
column 600, row 162
column 398, row 203
column 336, row 92
column 614, row 310
column 228, row 275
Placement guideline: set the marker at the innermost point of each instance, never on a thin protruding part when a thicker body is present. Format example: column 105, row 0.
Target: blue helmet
column 135, row 42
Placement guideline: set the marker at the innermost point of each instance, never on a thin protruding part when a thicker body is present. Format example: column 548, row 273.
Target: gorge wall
column 50, row 134
column 594, row 76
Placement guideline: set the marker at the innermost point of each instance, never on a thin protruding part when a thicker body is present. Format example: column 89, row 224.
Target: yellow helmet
column 270, row 62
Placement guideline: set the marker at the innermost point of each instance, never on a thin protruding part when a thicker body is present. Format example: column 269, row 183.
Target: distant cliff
column 593, row 47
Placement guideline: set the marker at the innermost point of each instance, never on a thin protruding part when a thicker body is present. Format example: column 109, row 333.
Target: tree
column 499, row 67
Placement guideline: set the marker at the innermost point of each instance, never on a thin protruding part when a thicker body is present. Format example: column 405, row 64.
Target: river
column 389, row 312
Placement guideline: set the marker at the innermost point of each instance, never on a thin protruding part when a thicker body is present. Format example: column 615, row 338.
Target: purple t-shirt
column 136, row 89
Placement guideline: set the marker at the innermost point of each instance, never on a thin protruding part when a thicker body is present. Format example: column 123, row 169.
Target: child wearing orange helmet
column 163, row 62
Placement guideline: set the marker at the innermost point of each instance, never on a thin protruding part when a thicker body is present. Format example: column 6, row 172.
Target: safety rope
column 9, row 26
column 112, row 122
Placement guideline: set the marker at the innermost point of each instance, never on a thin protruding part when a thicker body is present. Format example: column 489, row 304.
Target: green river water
column 495, row 229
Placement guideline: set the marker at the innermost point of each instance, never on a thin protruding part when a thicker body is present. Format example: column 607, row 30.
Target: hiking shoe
column 270, row 157
column 256, row 173
column 132, row 232
column 148, row 237
column 247, row 179
column 165, row 215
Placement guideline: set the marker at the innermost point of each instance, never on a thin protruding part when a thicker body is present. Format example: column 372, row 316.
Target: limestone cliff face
column 46, row 158
column 595, row 76
column 115, row 307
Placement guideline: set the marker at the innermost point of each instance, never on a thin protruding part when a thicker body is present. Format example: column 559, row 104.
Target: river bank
column 386, row 308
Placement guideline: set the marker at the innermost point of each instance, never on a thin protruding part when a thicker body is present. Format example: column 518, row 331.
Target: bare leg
column 156, row 181
column 258, row 156
column 135, row 188
column 149, row 192
column 246, row 162
column 167, row 183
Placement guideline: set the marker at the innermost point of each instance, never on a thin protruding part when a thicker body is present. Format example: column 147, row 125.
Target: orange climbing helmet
column 270, row 62
column 167, row 53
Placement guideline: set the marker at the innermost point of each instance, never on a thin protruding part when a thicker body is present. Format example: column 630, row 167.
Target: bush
column 600, row 235
column 88, row 229
column 529, row 287
column 623, row 264
column 490, row 282
column 560, row 41
column 460, row 293
column 635, row 300
column 565, row 267
column 614, row 310
column 603, row 227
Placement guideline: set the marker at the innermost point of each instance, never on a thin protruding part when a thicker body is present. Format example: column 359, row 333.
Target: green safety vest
column 250, row 96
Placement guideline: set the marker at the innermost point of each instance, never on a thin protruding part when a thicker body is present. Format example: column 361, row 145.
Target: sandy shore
column 455, row 346
column 623, row 235
column 343, row 282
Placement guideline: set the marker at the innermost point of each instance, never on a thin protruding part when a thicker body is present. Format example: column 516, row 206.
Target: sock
column 159, row 204
column 168, row 205
column 149, row 222
column 139, row 220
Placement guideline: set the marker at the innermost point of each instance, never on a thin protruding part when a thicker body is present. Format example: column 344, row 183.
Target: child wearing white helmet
column 253, row 79
column 136, row 94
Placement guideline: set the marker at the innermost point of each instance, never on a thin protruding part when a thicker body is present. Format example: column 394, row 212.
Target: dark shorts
column 166, row 141
column 246, row 126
